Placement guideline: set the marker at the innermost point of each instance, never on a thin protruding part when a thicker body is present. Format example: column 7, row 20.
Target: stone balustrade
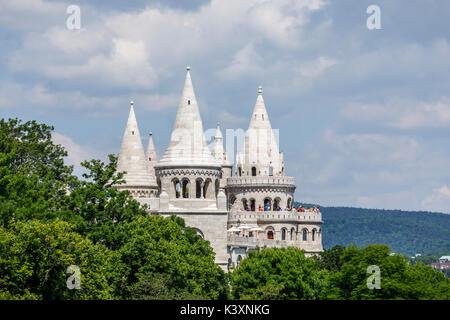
column 239, row 241
column 275, row 216
column 260, row 180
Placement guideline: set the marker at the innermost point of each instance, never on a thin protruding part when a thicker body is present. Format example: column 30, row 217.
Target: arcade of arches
column 268, row 204
column 201, row 189
column 286, row 234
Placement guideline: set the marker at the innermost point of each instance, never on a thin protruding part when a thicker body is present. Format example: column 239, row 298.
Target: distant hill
column 406, row 232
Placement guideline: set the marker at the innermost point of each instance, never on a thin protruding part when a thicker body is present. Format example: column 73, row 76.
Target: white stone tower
column 140, row 181
column 189, row 177
column 261, row 196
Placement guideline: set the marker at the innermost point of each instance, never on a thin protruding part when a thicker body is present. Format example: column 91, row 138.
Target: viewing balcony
column 252, row 242
column 260, row 180
column 274, row 216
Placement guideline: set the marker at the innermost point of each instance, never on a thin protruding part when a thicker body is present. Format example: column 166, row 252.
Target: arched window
column 293, row 234
column 254, row 171
column 186, row 186
column 252, row 204
column 198, row 188
column 305, row 235
column 313, row 234
column 238, row 261
column 177, row 187
column 240, row 171
column 270, row 234
column 270, row 171
column 189, row 101
column 283, row 234
column 289, row 203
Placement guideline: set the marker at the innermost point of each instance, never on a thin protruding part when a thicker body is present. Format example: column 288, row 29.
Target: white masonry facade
column 240, row 211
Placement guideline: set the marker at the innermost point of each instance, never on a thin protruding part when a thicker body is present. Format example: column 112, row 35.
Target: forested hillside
column 406, row 232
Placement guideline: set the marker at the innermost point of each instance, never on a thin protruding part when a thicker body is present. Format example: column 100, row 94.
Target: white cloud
column 126, row 66
column 40, row 98
column 31, row 14
column 439, row 200
column 133, row 49
column 402, row 113
column 280, row 21
column 76, row 153
column 246, row 62
column 316, row 67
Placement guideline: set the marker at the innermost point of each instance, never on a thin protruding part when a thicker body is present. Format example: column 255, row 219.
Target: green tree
column 157, row 286
column 34, row 258
column 98, row 208
column 330, row 259
column 399, row 280
column 33, row 177
column 424, row 258
column 278, row 274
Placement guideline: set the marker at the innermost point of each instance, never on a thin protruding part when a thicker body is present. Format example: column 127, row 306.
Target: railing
column 258, row 242
column 269, row 216
column 261, row 180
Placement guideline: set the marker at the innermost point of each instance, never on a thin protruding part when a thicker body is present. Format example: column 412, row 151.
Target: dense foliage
column 278, row 274
column 337, row 273
column 406, row 232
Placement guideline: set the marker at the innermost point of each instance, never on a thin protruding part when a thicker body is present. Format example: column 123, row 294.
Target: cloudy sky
column 364, row 115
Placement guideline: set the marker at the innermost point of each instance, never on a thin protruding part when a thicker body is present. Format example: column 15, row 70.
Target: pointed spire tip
column 259, row 90
column 188, row 68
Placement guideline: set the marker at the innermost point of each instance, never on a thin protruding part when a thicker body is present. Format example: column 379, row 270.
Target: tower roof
column 260, row 148
column 260, row 117
column 218, row 152
column 187, row 145
column 150, row 155
column 131, row 156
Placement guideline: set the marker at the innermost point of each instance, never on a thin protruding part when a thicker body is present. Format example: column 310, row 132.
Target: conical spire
column 131, row 156
column 218, row 152
column 260, row 118
column 150, row 155
column 260, row 149
column 187, row 143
